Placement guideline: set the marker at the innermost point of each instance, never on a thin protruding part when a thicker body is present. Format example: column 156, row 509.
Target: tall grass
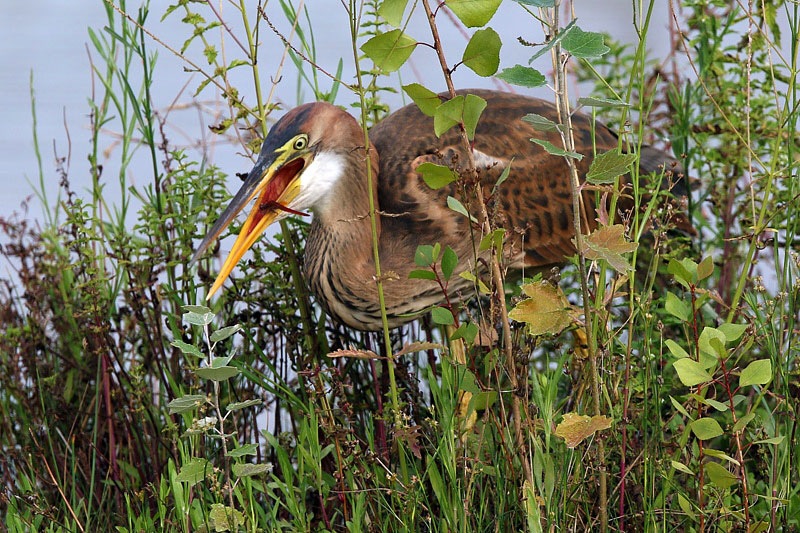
column 129, row 405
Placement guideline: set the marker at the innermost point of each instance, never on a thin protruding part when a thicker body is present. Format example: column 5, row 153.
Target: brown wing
column 534, row 203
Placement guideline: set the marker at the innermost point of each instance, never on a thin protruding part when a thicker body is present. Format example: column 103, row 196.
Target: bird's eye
column 300, row 143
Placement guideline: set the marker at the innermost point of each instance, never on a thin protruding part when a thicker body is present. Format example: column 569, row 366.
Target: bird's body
column 329, row 177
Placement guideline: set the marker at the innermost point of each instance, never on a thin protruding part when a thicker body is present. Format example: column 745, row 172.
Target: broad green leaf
column 712, row 342
column 584, row 44
column 609, row 243
column 448, row 114
column 389, row 50
column 522, row 76
column 686, row 506
column 392, row 11
column 682, row 468
column 224, row 333
column 756, row 373
column 467, row 331
column 425, row 256
column 482, row 53
column 187, row 348
column 459, row 208
column 742, row 422
column 706, row 428
column 711, row 452
column 608, row 166
column 773, row 440
column 422, row 274
column 553, row 41
column 676, row 349
column 678, row 308
column 245, row 449
column 705, row 268
column 493, row 239
column 474, row 13
column 442, row 316
column 551, row 148
column 222, row 518
column 574, row 428
column 426, row 100
column 449, row 262
column 436, row 176
column 719, row 475
column 593, row 101
column 186, row 403
column 685, row 271
column 719, row 406
column 545, row 311
column 235, row 406
column 217, row 374
column 198, row 319
column 541, row 123
column 690, row 372
column 678, row 407
column 473, row 108
column 194, row 471
column 732, row 332
column 249, row 469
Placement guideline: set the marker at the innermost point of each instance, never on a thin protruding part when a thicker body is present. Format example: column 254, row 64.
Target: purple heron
column 314, row 160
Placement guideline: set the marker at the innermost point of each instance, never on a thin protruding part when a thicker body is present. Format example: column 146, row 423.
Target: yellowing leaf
column 575, row 428
column 545, row 311
column 609, row 243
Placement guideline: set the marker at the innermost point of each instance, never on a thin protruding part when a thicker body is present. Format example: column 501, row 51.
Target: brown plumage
column 314, row 159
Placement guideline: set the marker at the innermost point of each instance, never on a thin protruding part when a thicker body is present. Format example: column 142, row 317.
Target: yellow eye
column 300, row 143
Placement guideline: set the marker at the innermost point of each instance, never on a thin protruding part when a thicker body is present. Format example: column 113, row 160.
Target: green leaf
column 222, row 518
column 545, row 311
column 199, row 309
column 473, row 108
column 719, row 406
column 186, row 403
column 436, row 176
column 552, row 149
column 541, row 123
column 194, row 471
column 584, row 44
column 422, row 274
column 773, row 440
column 249, row 469
column 474, row 13
column 712, row 342
column 685, row 271
column 459, row 208
column 449, row 262
column 389, row 50
column 223, row 333
column 678, row 407
column 426, row 100
column 732, row 332
column 187, row 348
column 682, row 468
column 392, row 11
column 711, row 452
column 742, row 422
column 676, row 349
column 719, row 475
column 243, row 450
column 593, row 101
column 242, row 405
column 198, row 319
column 608, row 166
column 448, row 114
column 522, row 76
column 705, row 268
column 467, row 331
column 482, row 53
column 493, row 239
column 217, row 374
column 756, row 373
column 424, row 255
column 690, row 372
column 706, row 428
column 678, row 308
column 442, row 316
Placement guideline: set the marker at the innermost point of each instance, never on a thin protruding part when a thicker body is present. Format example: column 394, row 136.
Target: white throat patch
column 318, row 180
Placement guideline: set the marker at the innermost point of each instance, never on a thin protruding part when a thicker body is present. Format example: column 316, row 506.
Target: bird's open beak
column 275, row 182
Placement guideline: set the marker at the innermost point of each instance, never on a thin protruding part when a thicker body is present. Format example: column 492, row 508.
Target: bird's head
column 301, row 160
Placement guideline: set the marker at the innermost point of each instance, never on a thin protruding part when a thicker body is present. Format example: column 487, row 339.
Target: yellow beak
column 274, row 180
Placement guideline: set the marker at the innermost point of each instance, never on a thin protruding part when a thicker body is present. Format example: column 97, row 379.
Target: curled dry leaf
column 575, row 428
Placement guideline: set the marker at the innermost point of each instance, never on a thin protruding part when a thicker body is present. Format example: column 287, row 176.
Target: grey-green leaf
column 522, row 76
column 608, row 166
column 584, row 44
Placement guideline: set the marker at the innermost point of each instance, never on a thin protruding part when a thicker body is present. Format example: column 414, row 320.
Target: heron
column 314, row 159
